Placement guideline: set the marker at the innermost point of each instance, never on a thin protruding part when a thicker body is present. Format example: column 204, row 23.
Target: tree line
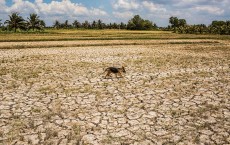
column 33, row 22
column 17, row 22
column 136, row 23
column 216, row 27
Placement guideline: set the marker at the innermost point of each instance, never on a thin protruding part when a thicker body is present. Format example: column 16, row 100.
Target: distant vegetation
column 34, row 23
column 216, row 27
column 16, row 22
column 136, row 23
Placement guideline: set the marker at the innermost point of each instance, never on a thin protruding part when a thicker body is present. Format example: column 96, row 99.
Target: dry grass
column 70, row 35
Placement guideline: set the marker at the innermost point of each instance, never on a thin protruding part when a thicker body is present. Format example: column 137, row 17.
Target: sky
column 157, row 11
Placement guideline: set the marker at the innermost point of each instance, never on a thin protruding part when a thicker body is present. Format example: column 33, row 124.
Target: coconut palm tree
column 86, row 25
column 66, row 24
column 34, row 22
column 100, row 25
column 94, row 24
column 76, row 24
column 42, row 23
column 15, row 22
column 57, row 24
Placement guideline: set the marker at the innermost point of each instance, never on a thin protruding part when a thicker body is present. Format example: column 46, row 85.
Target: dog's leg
column 120, row 75
column 108, row 74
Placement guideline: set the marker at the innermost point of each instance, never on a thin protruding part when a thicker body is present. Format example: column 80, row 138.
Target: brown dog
column 115, row 71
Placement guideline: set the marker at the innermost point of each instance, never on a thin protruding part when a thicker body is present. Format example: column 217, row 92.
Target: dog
column 115, row 71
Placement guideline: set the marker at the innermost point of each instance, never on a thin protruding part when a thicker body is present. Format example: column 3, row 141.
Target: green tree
column 202, row 28
column 219, row 27
column 109, row 26
column 34, row 22
column 15, row 22
column 66, row 24
column 174, row 22
column 42, row 23
column 76, row 24
column 100, row 24
column 57, row 24
column 137, row 23
column 94, row 25
column 115, row 26
column 228, row 27
column 131, row 25
column 147, row 25
column 122, row 26
column 182, row 22
column 86, row 25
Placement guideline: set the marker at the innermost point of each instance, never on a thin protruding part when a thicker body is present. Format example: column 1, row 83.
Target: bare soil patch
column 171, row 94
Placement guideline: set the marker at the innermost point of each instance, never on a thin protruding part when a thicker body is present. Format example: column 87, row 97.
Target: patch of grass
column 71, row 90
column 47, row 90
column 75, row 133
column 74, row 34
column 86, row 89
column 17, row 127
column 201, row 111
column 11, row 85
column 57, row 108
column 1, row 133
column 3, row 71
column 202, row 42
column 36, row 110
column 48, row 115
column 24, row 74
column 109, row 139
column 50, row 133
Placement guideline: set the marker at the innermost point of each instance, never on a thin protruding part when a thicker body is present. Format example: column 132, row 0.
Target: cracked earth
column 171, row 94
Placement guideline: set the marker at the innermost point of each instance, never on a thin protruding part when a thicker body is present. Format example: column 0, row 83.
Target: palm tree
column 94, row 25
column 66, row 24
column 76, row 24
column 42, row 23
column 122, row 26
column 15, row 22
column 114, row 26
column 86, row 25
column 57, row 24
column 100, row 24
column 34, row 22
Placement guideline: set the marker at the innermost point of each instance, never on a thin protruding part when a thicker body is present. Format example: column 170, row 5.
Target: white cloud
column 209, row 9
column 2, row 1
column 60, row 10
column 126, row 5
column 153, row 7
column 2, row 6
column 123, row 15
column 22, row 7
column 66, row 7
column 98, row 12
column 159, row 11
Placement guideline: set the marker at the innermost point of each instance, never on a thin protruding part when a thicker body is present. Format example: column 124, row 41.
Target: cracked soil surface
column 171, row 94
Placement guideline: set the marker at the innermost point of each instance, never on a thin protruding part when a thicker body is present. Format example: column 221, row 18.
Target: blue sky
column 158, row 11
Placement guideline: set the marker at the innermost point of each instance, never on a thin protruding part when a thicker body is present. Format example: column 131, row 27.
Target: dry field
column 174, row 92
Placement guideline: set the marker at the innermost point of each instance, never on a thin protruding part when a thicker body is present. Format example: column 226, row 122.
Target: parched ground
column 173, row 93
